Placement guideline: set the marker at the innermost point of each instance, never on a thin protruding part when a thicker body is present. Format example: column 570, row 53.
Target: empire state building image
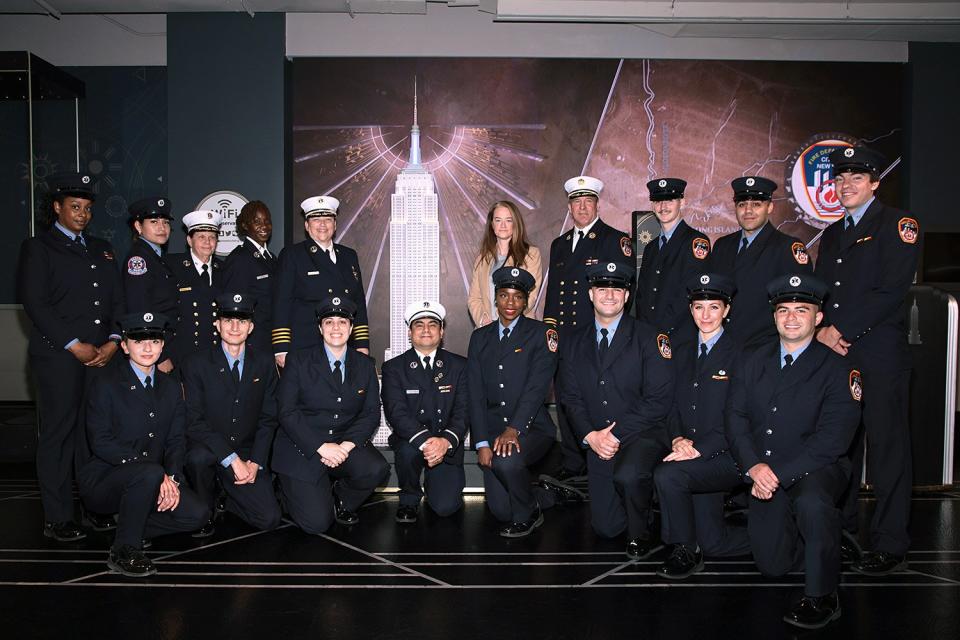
column 414, row 241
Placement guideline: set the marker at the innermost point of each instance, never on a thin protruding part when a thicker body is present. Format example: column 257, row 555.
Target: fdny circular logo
column 704, row 279
column 810, row 180
column 662, row 184
column 161, row 202
column 848, row 153
column 750, row 182
column 426, row 305
column 794, row 281
column 85, row 179
column 611, row 267
column 238, row 298
column 515, row 272
column 336, row 302
column 148, row 317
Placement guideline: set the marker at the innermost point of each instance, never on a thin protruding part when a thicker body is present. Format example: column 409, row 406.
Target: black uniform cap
column 235, row 305
column 76, row 185
column 711, row 286
column 153, row 207
column 513, row 278
column 797, row 288
column 857, row 160
column 666, row 189
column 753, row 188
column 610, row 274
column 336, row 306
column 144, row 325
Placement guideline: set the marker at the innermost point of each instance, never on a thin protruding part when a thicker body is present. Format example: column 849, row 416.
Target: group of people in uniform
column 708, row 376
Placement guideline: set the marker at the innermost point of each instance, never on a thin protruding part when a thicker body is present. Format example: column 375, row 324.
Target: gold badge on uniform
column 553, row 340
column 313, row 248
column 186, row 263
column 909, row 229
column 856, row 385
column 701, row 248
column 592, row 235
column 800, row 253
column 663, row 344
column 626, row 247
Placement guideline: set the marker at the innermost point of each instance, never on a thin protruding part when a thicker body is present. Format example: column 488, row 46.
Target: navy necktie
column 426, row 363
column 506, row 334
column 604, row 343
column 787, row 361
column 337, row 374
column 235, row 372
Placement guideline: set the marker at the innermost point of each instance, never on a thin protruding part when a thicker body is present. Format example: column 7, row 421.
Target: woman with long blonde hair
column 504, row 243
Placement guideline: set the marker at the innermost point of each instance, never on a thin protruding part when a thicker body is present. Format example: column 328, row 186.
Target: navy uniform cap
column 143, row 325
column 610, row 274
column 797, row 287
column 856, row 159
column 711, row 286
column 513, row 278
column 336, row 306
column 77, row 185
column 753, row 188
column 153, row 207
column 666, row 189
column 235, row 305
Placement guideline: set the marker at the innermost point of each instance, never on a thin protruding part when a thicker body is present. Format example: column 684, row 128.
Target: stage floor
column 441, row 577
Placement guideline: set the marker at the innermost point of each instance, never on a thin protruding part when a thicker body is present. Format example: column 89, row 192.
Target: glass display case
column 39, row 136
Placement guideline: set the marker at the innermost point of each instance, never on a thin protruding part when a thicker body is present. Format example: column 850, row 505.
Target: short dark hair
column 248, row 212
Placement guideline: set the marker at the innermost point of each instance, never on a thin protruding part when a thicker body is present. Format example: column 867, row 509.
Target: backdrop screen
column 516, row 129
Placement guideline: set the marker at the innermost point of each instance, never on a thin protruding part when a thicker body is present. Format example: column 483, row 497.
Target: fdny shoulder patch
column 701, row 248
column 663, row 345
column 136, row 266
column 626, row 247
column 909, row 229
column 800, row 254
column 856, row 385
column 553, row 340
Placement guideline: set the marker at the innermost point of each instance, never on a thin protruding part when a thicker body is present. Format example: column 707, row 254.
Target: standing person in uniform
column 148, row 283
column 308, row 273
column 329, row 410
column 693, row 478
column 669, row 262
column 504, row 243
column 869, row 259
column 251, row 268
column 590, row 241
column 198, row 274
column 70, row 289
column 425, row 403
column 511, row 363
column 752, row 257
column 617, row 385
column 792, row 412
column 231, row 395
column 135, row 423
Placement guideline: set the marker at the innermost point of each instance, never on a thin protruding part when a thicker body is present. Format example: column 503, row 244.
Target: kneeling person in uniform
column 231, row 394
column 135, row 424
column 693, row 478
column 511, row 363
column 792, row 413
column 617, row 386
column 425, row 402
column 329, row 409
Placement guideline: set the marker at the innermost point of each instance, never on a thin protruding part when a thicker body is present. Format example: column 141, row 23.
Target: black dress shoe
column 342, row 513
column 206, row 531
column 814, row 613
column 565, row 493
column 641, row 549
column 850, row 550
column 682, row 563
column 406, row 514
column 99, row 521
column 521, row 529
column 880, row 563
column 63, row 531
column 129, row 561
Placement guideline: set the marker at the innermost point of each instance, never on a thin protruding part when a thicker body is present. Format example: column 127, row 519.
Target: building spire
column 415, row 131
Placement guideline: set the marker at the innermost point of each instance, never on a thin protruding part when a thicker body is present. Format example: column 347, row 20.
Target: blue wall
column 227, row 111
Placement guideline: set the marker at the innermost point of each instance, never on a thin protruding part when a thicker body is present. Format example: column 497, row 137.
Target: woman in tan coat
column 504, row 243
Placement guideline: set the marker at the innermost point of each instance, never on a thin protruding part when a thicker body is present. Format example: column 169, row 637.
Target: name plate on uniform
column 313, row 273
column 266, row 275
column 412, row 391
column 182, row 289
